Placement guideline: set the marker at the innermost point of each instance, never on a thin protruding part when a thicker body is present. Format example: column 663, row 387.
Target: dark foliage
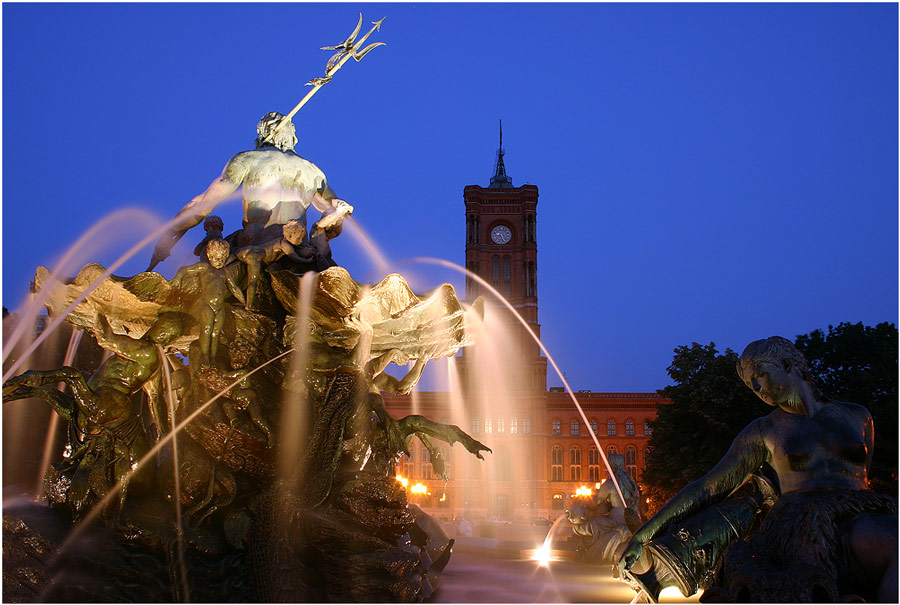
column 711, row 405
column 858, row 363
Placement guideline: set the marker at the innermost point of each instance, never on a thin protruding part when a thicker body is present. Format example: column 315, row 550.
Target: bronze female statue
column 820, row 449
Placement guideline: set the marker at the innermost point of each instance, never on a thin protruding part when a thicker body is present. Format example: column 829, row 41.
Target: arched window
column 611, row 450
column 408, row 467
column 594, row 426
column 556, row 455
column 476, row 426
column 488, row 426
column 532, row 278
column 611, row 427
column 556, row 459
column 648, row 430
column 495, row 272
column 501, row 425
column 631, row 461
column 507, row 277
column 593, row 464
column 557, row 426
column 558, row 502
column 629, row 427
column 513, row 425
column 574, row 427
column 575, row 463
column 526, row 425
column 575, row 455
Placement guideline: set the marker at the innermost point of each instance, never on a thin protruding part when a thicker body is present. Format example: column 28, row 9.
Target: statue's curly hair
column 284, row 139
column 777, row 349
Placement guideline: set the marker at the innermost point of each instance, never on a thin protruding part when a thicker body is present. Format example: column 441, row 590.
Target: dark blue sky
column 707, row 172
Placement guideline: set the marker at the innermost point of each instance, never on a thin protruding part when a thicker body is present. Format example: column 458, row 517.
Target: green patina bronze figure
column 255, row 256
column 215, row 284
column 828, row 537
column 278, row 186
column 106, row 439
column 603, row 521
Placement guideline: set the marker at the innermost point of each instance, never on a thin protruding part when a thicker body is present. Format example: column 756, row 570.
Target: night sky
column 707, row 172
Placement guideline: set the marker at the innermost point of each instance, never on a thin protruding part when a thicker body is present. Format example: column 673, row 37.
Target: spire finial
column 500, row 179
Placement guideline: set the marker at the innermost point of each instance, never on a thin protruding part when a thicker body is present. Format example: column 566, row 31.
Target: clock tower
column 501, row 248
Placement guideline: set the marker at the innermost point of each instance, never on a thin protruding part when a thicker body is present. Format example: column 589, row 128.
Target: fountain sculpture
column 260, row 467
column 602, row 521
column 786, row 515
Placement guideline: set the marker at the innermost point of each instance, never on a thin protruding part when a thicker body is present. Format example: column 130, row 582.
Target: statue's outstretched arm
column 449, row 433
column 199, row 208
column 334, row 210
column 27, row 385
column 747, row 453
column 389, row 384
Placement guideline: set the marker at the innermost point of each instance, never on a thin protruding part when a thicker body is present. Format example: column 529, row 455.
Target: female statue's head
column 772, row 367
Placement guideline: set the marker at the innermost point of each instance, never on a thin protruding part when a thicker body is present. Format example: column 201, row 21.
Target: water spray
column 501, row 298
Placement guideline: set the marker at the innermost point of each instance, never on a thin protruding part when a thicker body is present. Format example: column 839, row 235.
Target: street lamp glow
column 584, row 490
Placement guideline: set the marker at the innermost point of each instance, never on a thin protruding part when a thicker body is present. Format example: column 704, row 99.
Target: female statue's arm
column 747, row 452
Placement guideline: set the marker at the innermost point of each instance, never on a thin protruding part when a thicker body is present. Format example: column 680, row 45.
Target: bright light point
column 402, row 480
column 583, row 491
column 671, row 594
column 443, row 497
column 418, row 488
column 542, row 555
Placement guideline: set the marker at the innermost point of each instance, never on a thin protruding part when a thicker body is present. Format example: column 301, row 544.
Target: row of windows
column 500, row 425
column 575, row 427
column 594, row 462
column 409, row 471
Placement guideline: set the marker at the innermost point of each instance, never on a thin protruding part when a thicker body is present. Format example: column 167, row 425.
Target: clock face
column 501, row 234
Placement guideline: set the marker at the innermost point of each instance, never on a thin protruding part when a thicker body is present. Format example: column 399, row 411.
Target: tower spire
column 500, row 178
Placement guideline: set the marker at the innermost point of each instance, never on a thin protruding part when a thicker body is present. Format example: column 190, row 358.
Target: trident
column 345, row 50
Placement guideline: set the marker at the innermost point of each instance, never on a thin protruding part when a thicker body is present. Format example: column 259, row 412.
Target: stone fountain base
column 364, row 545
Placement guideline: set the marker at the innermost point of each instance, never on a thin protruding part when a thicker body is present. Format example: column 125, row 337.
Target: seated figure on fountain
column 255, row 256
column 607, row 523
column 278, row 185
column 108, row 438
column 828, row 537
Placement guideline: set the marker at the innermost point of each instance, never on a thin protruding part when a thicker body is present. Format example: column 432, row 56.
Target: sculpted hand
column 629, row 557
column 341, row 211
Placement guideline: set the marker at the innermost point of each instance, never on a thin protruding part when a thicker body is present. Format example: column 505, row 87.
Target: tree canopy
column 711, row 405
